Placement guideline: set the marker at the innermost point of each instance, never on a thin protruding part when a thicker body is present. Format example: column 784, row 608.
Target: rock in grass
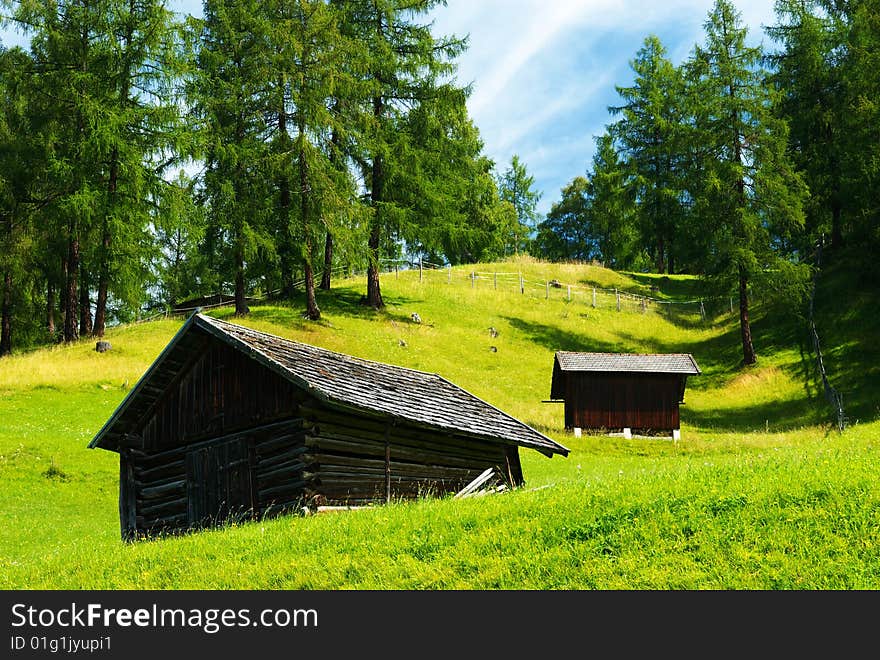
column 103, row 346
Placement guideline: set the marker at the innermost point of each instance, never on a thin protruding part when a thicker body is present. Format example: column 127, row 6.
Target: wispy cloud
column 544, row 71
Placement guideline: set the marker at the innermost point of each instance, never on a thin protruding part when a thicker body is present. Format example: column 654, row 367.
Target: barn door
column 218, row 484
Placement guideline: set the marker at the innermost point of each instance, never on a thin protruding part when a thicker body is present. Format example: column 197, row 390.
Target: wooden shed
column 229, row 422
column 625, row 392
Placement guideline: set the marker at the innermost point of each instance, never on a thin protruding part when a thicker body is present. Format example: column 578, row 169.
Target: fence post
column 594, row 297
column 522, row 285
column 731, row 304
column 617, row 293
column 420, row 269
column 396, row 274
column 473, row 279
column 702, row 311
column 569, row 293
column 644, row 305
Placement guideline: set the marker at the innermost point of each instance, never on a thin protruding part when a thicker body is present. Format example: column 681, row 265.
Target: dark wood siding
column 648, row 402
column 260, row 471
column 222, row 390
column 230, row 439
column 358, row 459
column 218, row 483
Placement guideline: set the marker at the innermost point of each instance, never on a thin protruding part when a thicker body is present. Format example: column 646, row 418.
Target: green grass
column 759, row 493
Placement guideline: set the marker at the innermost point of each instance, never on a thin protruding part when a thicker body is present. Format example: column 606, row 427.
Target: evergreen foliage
column 134, row 178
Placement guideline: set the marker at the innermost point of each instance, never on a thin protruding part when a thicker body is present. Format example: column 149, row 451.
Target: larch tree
column 226, row 95
column 750, row 197
column 614, row 225
column 516, row 185
column 144, row 136
column 807, row 73
column 649, row 136
column 406, row 65
column 565, row 234
column 312, row 59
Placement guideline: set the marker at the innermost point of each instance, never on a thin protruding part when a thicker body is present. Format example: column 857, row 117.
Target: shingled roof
column 647, row 363
column 344, row 381
column 664, row 363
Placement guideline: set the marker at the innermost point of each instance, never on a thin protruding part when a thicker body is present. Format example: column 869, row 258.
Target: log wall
column 261, row 471
column 360, row 461
column 229, row 439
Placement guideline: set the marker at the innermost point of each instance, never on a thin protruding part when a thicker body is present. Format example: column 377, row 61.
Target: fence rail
column 593, row 296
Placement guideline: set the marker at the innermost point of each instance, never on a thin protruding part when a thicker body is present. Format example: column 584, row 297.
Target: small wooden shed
column 231, row 423
column 626, row 392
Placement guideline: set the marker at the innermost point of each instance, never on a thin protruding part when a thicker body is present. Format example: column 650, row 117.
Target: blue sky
column 544, row 71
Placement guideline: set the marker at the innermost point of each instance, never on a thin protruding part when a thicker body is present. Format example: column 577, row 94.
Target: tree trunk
column 85, row 306
column 328, row 262
column 377, row 185
column 286, row 243
column 749, row 356
column 6, row 316
column 374, row 293
column 241, row 308
column 336, row 161
column 50, row 309
column 305, row 196
column 661, row 260
column 70, row 289
column 312, row 310
column 62, row 301
column 103, row 284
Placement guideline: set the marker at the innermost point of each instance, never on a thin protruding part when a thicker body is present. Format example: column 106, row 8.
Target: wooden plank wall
column 222, row 391
column 188, row 486
column 615, row 401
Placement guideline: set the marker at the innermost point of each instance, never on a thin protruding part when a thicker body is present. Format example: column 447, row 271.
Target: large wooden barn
column 622, row 392
column 229, row 422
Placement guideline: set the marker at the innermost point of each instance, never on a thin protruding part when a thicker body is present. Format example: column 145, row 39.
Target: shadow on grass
column 769, row 416
column 561, row 340
column 671, row 288
column 289, row 312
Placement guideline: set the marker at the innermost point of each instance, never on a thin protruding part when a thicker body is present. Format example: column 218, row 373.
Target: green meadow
column 761, row 492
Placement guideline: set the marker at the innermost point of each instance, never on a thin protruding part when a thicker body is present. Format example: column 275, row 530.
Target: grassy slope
column 760, row 492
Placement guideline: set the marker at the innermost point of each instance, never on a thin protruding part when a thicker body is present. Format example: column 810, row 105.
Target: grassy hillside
column 761, row 491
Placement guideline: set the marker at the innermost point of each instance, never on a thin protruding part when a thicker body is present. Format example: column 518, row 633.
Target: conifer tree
column 808, row 78
column 649, row 135
column 227, row 93
column 516, row 185
column 312, row 61
column 750, row 198
column 407, row 63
